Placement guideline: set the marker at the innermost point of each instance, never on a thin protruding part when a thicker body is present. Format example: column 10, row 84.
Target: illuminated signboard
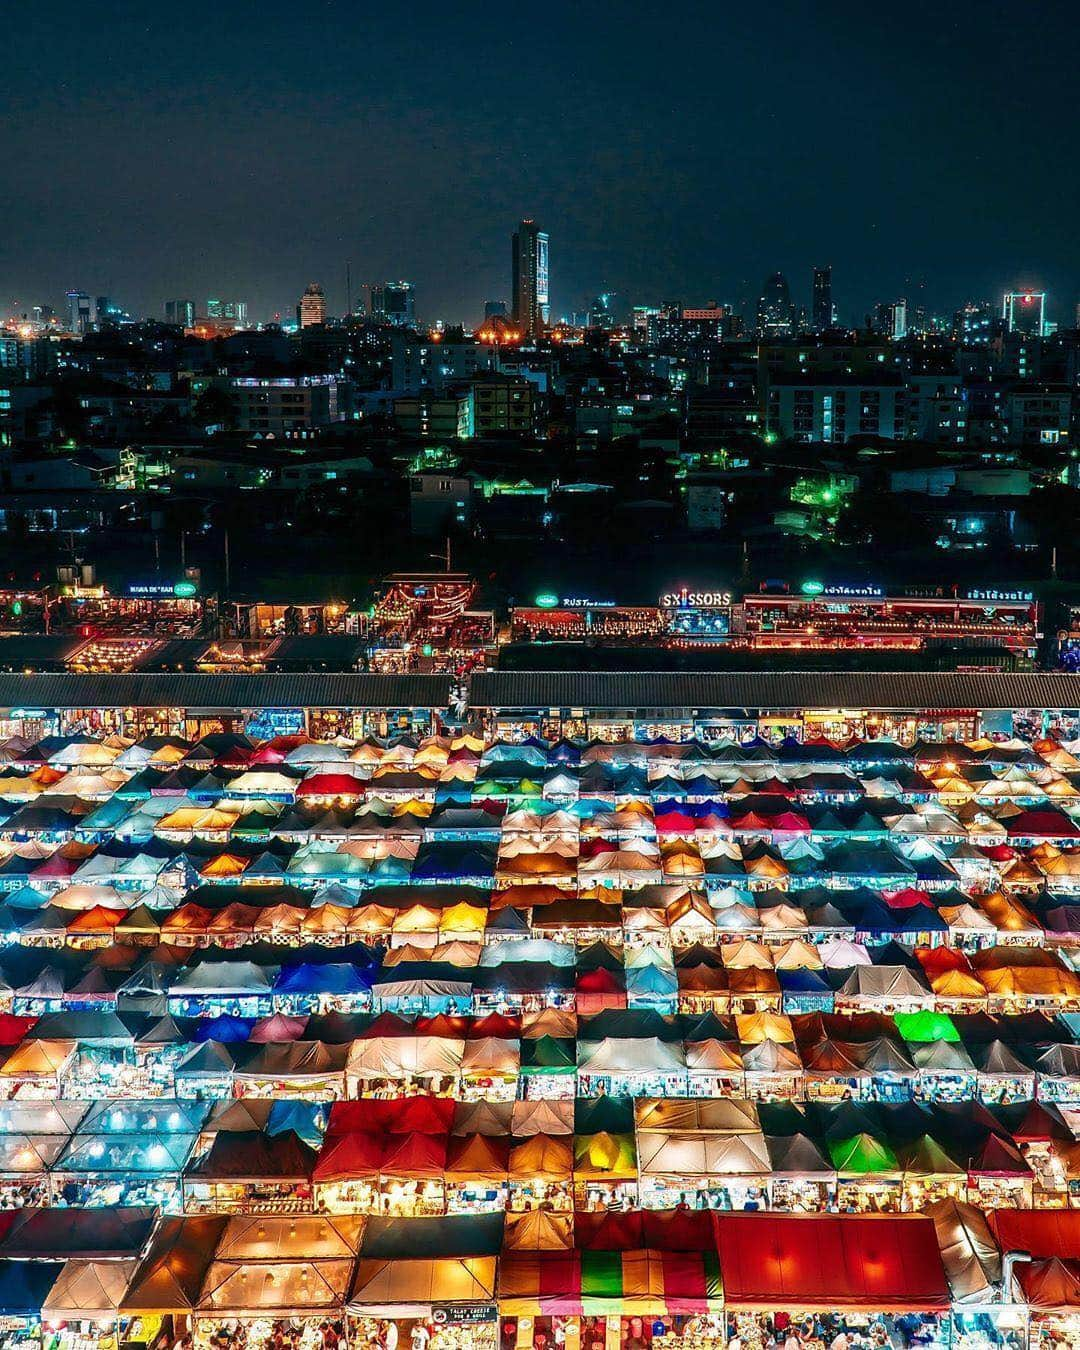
column 856, row 592
column 549, row 600
column 163, row 590
column 847, row 592
column 685, row 599
column 994, row 596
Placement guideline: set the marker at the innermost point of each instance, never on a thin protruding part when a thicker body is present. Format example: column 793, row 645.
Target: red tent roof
column 415, row 1155
column 236, row 757
column 503, row 1025
column 998, row 1158
column 908, row 898
column 348, row 1156
column 330, row 785
column 940, row 960
column 1051, row 1286
column 1042, row 1232
column 275, row 750
column 1042, row 824
column 398, row 1115
column 885, row 1263
column 13, row 1029
column 790, row 822
column 675, row 822
column 661, row 1230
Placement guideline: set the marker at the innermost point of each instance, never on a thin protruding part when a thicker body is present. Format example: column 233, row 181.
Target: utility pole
column 228, row 586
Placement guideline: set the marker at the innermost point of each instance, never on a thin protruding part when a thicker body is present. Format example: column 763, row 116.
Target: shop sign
column 462, row 1314
column 549, row 600
column 685, row 599
column 159, row 590
column 994, row 596
column 855, row 592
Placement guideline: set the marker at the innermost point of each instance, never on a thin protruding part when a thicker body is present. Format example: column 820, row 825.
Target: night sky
column 675, row 150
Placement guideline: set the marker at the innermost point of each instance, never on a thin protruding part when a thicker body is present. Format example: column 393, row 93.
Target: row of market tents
column 598, row 1264
column 431, row 961
column 177, row 902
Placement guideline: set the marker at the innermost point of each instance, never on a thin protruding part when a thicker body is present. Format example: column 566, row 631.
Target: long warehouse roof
column 309, row 690
column 922, row 691
column 595, row 691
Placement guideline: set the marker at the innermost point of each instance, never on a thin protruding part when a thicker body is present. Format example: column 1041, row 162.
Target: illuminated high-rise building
column 775, row 311
column 180, row 312
column 393, row 302
column 532, row 299
column 601, row 312
column 976, row 324
column 1025, row 312
column 822, row 314
column 891, row 319
column 80, row 312
column 230, row 311
column 313, row 306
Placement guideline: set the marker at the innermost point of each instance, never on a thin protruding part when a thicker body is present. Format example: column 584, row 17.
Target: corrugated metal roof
column 598, row 691
column 151, row 690
column 38, row 649
column 922, row 691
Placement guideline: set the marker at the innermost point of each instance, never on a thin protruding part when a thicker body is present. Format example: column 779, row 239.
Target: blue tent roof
column 224, row 1028
column 803, row 982
column 25, row 1285
column 307, row 1120
column 332, row 978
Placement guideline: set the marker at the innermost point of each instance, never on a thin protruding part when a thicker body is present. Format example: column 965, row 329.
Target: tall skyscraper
column 775, row 312
column 1025, row 312
column 80, row 312
column 393, row 302
column 532, row 299
column 181, row 312
column 822, row 315
column 312, row 306
column 975, row 324
column 231, row 311
column 890, row 318
column 601, row 312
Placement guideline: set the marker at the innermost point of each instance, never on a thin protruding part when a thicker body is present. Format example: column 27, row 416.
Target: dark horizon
column 244, row 151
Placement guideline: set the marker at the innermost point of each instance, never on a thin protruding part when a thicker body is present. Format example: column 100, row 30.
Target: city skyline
column 367, row 300
column 653, row 184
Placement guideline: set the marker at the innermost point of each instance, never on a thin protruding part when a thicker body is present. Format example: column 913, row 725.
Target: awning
column 88, row 1290
column 170, row 1275
column 593, row 1283
column 404, row 1288
column 827, row 1262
